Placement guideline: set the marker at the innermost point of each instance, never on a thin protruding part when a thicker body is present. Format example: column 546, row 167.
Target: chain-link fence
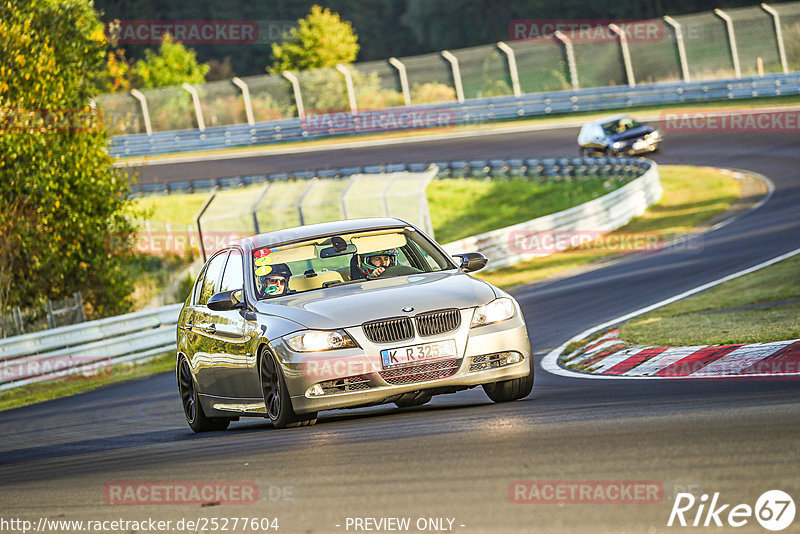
column 53, row 314
column 238, row 213
column 720, row 44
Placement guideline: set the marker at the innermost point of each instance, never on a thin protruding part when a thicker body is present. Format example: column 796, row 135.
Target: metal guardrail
column 506, row 246
column 533, row 168
column 478, row 110
column 87, row 347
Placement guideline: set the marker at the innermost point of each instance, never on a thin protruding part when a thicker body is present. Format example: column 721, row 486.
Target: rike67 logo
column 774, row 510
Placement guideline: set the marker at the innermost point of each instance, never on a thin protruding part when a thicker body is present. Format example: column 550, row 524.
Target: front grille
column 438, row 322
column 421, row 372
column 389, row 330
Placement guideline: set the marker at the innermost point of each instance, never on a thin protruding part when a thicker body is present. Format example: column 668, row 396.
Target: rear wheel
column 276, row 396
column 197, row 419
column 509, row 390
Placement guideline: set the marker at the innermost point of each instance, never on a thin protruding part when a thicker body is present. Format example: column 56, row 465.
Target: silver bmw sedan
column 345, row 314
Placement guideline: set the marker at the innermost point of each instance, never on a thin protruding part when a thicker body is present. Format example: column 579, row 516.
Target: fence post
column 626, row 54
column 51, row 318
column 456, row 74
column 79, row 304
column 401, row 71
column 298, row 96
column 138, row 95
column 512, row 67
column 778, row 35
column 681, row 48
column 197, row 218
column 732, row 39
column 573, row 70
column 343, row 196
column 254, row 207
column 351, row 92
column 198, row 111
column 17, row 314
column 299, row 203
column 248, row 105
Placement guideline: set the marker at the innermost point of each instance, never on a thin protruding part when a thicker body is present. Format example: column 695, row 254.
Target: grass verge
column 72, row 385
column 459, row 207
column 692, row 196
column 759, row 307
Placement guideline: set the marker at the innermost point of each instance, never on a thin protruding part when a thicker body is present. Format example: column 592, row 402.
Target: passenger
column 273, row 280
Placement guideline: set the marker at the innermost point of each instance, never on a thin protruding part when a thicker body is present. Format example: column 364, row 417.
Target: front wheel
column 197, row 419
column 510, row 390
column 276, row 396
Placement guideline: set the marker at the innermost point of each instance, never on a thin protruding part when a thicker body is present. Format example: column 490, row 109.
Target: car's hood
column 356, row 303
column 634, row 133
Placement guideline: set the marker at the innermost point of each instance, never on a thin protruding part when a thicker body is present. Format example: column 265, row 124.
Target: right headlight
column 498, row 310
column 319, row 340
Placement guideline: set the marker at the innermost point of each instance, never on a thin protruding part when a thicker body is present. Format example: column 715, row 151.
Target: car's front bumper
column 302, row 371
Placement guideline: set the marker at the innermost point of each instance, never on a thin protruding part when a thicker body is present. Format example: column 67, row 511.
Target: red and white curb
column 609, row 355
column 637, row 362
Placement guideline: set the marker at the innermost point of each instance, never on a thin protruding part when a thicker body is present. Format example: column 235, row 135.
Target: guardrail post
column 351, row 92
column 198, row 111
column 732, row 39
column 401, row 71
column 681, row 48
column 197, row 218
column 778, row 35
column 248, row 105
column 626, row 54
column 456, row 74
column 512, row 67
column 298, row 96
column 138, row 95
column 573, row 70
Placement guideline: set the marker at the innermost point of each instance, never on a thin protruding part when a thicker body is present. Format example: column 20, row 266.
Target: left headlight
column 498, row 310
column 319, row 340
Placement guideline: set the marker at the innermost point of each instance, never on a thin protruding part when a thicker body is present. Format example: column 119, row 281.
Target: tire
column 276, row 396
column 413, row 399
column 510, row 390
column 192, row 409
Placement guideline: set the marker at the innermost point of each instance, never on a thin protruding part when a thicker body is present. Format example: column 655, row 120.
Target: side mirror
column 225, row 301
column 472, row 261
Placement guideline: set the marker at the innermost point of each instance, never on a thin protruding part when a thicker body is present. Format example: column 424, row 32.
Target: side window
column 233, row 279
column 212, row 278
column 198, row 286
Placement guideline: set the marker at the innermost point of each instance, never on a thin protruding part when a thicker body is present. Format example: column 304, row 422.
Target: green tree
column 61, row 200
column 173, row 64
column 321, row 39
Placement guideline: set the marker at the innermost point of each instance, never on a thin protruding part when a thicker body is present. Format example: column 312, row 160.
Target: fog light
column 513, row 357
column 315, row 391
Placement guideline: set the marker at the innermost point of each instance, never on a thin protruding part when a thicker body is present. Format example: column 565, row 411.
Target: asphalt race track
column 458, row 457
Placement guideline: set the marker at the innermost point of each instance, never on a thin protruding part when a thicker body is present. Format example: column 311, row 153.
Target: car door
column 203, row 330
column 236, row 364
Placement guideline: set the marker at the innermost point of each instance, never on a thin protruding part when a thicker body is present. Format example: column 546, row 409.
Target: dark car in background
column 618, row 135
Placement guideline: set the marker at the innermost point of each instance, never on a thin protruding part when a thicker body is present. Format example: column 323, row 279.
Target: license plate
column 439, row 350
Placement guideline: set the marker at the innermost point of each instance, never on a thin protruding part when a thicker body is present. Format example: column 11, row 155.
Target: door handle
column 211, row 329
column 187, row 326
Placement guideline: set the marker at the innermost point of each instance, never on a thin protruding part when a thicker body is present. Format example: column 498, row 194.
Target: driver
column 375, row 263
column 273, row 280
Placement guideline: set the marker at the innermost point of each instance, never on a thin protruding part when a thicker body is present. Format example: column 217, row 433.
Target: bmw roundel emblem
column 408, row 309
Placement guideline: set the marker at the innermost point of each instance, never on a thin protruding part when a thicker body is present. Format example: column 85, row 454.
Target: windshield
column 339, row 259
column 620, row 126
